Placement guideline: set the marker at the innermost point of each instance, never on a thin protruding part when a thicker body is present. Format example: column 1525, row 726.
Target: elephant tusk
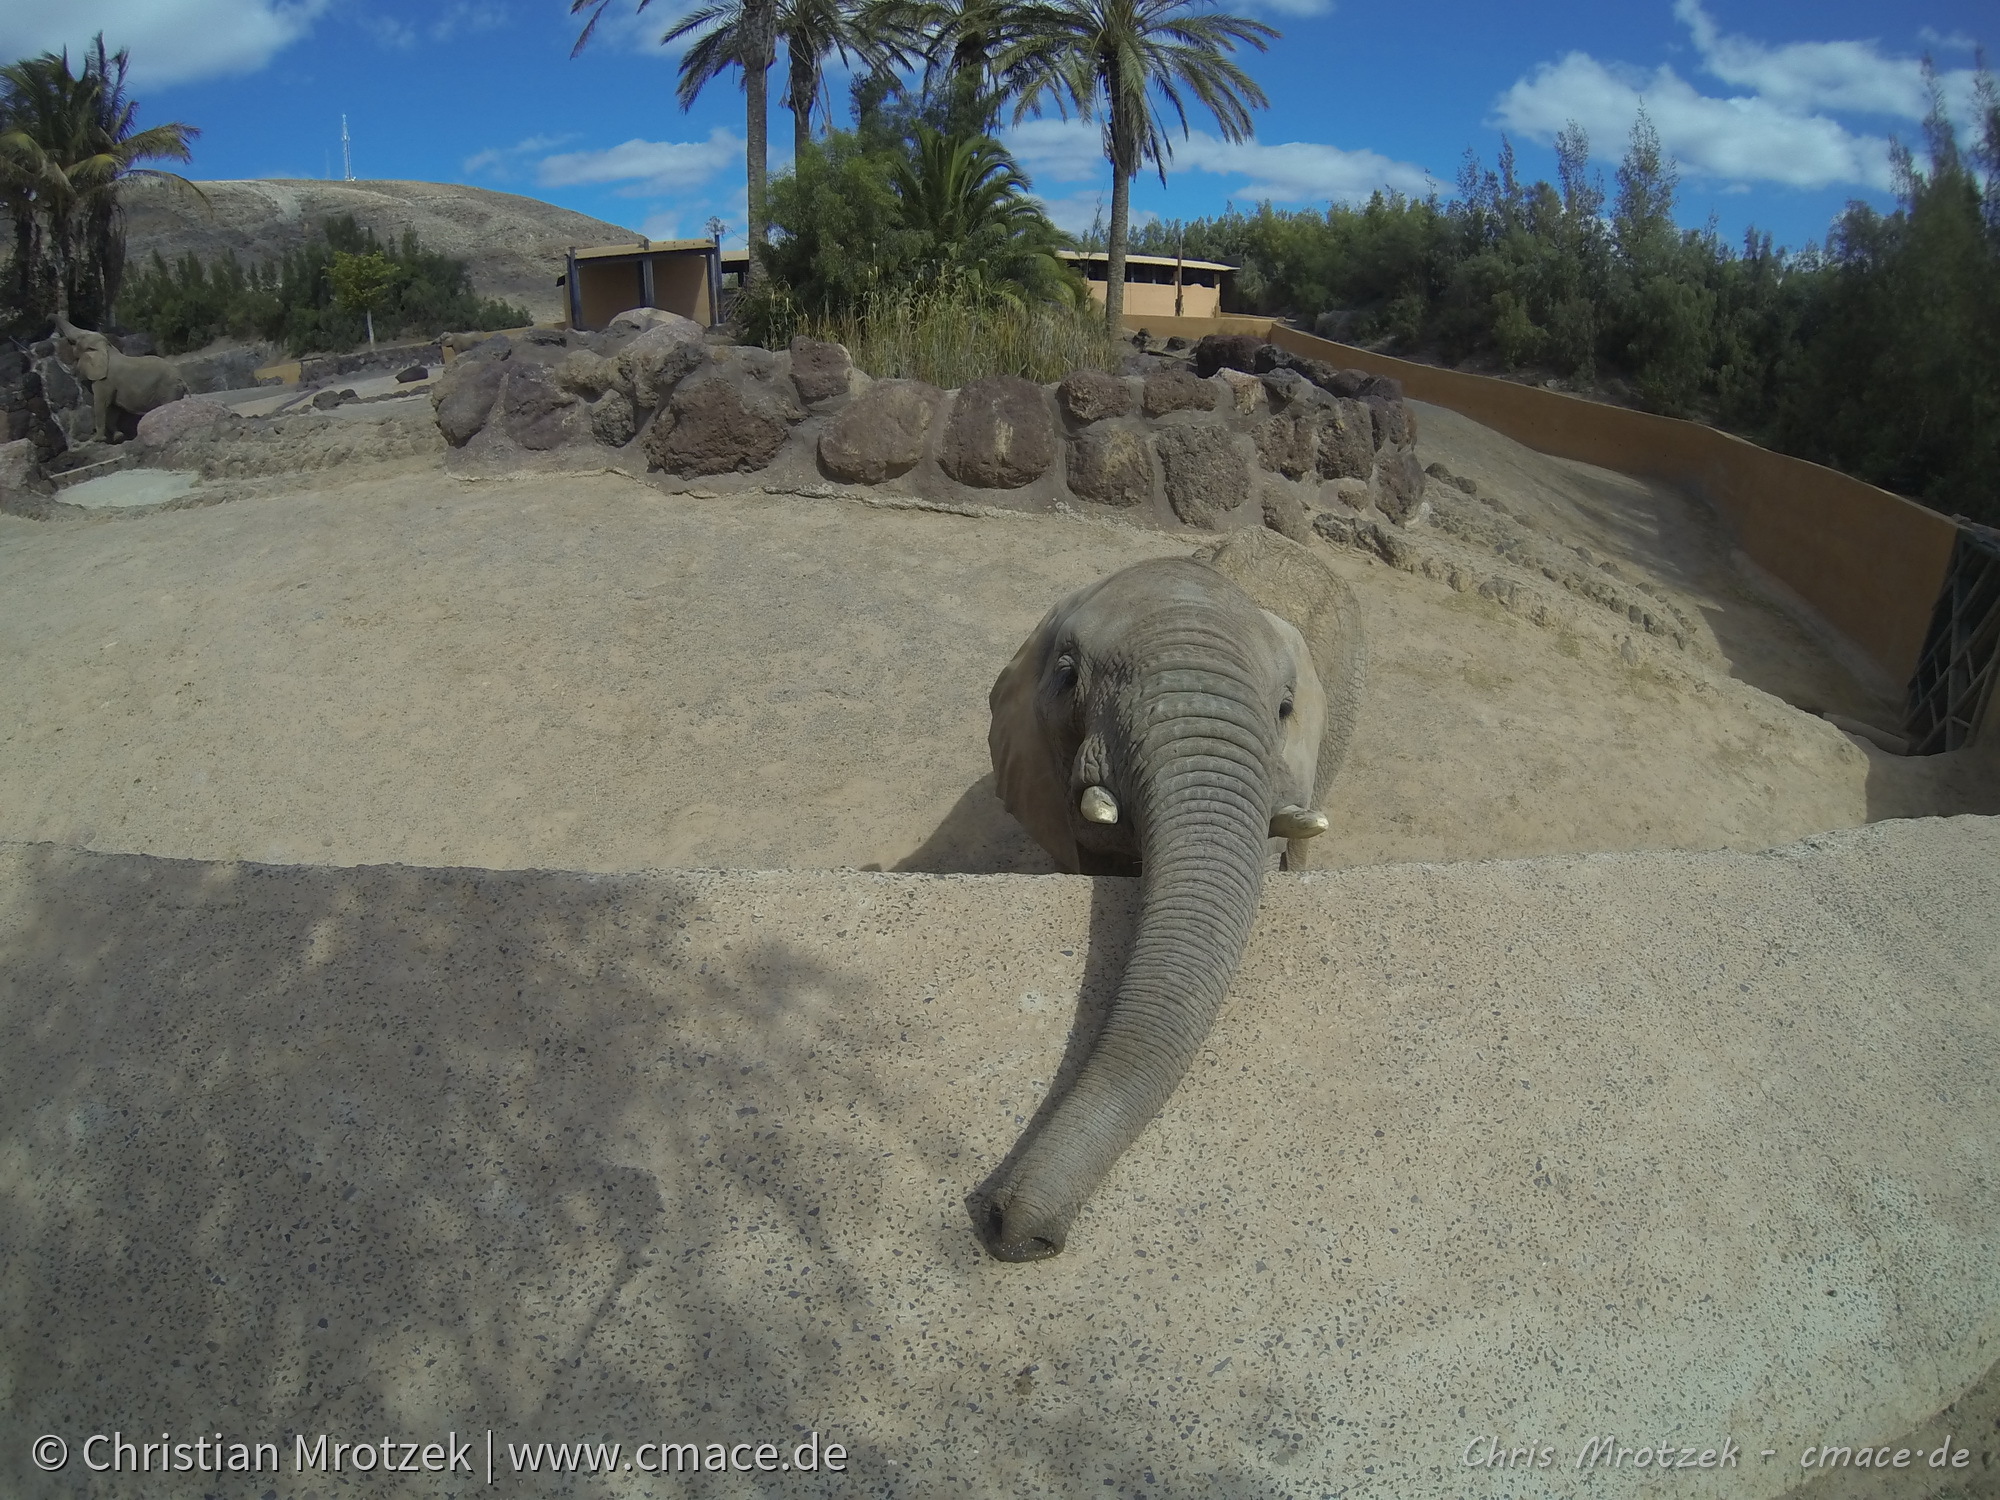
column 1098, row 805
column 1297, row 823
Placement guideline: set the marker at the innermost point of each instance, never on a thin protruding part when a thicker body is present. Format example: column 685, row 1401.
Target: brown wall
column 680, row 285
column 608, row 288
column 1870, row 562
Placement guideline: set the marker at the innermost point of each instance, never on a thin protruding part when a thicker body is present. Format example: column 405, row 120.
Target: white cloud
column 1078, row 213
column 1297, row 7
column 1742, row 139
column 1300, row 171
column 172, row 41
column 1286, row 172
column 652, row 166
column 501, row 160
column 1838, row 76
column 1781, row 125
column 1057, row 150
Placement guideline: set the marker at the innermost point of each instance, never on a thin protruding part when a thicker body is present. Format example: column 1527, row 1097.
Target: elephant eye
column 1065, row 673
column 1285, row 708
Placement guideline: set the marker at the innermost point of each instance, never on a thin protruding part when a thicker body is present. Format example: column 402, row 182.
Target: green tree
column 363, row 283
column 1108, row 60
column 738, row 34
column 67, row 139
column 965, row 203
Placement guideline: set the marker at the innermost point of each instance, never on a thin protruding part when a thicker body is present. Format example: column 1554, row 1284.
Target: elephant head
column 90, row 353
column 1158, row 721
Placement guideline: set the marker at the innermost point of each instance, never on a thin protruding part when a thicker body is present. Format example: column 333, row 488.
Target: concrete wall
column 1153, row 300
column 1869, row 562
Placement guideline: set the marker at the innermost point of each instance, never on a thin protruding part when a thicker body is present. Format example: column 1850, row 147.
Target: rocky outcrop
column 1176, row 390
column 1165, row 446
column 1112, row 464
column 1092, row 395
column 723, row 421
column 819, row 369
column 1205, row 475
column 463, row 397
column 164, row 424
column 1001, row 434
column 880, row 434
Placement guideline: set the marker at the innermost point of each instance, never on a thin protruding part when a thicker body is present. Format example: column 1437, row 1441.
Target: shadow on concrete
column 978, row 837
column 386, row 1150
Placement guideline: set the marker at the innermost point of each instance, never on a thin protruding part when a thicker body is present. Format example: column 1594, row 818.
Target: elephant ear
column 1034, row 788
column 93, row 356
column 1294, row 583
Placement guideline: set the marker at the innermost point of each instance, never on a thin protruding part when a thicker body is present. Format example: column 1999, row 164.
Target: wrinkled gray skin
column 1202, row 715
column 134, row 384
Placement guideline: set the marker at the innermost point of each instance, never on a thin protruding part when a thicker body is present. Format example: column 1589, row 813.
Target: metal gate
column 1961, row 655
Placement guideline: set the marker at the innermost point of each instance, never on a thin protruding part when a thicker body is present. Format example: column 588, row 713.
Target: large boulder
column 589, row 374
column 1346, row 441
column 463, row 396
column 612, row 421
column 1286, row 443
column 819, row 369
column 880, row 433
column 1206, row 477
column 1176, row 390
column 1394, row 426
column 1399, row 486
column 723, row 421
column 163, row 424
column 1232, row 351
column 539, row 414
column 1001, row 434
column 1092, row 395
column 656, row 361
column 648, row 319
column 1111, row 463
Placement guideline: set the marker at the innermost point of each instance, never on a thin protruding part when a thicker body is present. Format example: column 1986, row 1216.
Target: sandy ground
column 582, row 673
column 1668, row 1146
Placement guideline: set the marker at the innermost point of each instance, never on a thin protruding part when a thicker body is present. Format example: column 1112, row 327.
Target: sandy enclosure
column 394, row 665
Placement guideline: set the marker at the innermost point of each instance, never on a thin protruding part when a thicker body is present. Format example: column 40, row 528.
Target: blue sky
column 1777, row 114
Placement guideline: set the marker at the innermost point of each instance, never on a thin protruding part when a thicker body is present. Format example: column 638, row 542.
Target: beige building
column 695, row 278
column 1158, row 286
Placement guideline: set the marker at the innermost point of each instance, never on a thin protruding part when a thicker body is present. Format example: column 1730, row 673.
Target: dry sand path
column 583, row 673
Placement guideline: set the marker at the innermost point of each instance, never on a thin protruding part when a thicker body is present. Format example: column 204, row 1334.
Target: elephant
column 1181, row 719
column 132, row 384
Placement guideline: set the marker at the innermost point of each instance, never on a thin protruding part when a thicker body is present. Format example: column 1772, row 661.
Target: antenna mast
column 346, row 156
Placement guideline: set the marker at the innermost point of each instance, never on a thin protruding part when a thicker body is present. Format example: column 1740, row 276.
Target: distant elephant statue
column 1181, row 720
column 128, row 383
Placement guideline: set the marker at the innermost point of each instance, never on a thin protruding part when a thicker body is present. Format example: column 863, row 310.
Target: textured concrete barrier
column 1868, row 562
column 1695, row 1149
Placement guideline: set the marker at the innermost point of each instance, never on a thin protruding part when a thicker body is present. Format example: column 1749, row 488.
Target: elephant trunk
column 1198, row 789
column 69, row 329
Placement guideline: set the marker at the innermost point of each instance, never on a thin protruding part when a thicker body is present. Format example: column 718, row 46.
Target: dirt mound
column 513, row 245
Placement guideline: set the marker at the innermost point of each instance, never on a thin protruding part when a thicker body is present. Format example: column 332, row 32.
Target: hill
column 513, row 245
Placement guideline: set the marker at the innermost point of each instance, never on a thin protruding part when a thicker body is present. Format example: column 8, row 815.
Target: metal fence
column 1961, row 654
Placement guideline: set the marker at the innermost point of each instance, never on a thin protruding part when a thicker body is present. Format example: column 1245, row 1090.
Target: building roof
column 656, row 247
column 1147, row 260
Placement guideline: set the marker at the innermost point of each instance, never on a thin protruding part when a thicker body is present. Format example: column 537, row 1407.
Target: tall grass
column 954, row 335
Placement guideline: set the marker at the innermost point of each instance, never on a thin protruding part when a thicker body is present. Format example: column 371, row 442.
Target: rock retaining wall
column 1230, row 437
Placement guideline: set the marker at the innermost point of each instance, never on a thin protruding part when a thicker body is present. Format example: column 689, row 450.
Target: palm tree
column 66, row 141
column 752, row 46
column 958, row 42
column 813, row 30
column 1107, row 59
column 969, row 201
